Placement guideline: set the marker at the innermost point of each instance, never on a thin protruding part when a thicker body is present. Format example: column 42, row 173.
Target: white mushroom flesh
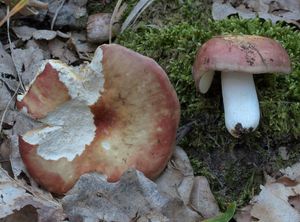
column 240, row 101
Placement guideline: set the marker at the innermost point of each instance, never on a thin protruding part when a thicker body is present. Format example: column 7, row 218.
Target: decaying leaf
column 73, row 13
column 44, row 34
column 27, row 62
column 79, row 43
column 24, row 32
column 133, row 197
column 278, row 10
column 15, row 197
column 272, row 204
column 178, row 178
column 202, row 198
column 22, row 125
column 59, row 50
column 278, row 200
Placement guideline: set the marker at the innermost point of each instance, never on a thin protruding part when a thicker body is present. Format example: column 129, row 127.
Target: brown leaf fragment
column 272, row 204
column 59, row 50
column 14, row 197
column 7, row 68
column 44, row 35
column 178, row 178
column 73, row 13
column 202, row 198
column 278, row 10
column 132, row 198
column 293, row 172
column 79, row 43
column 24, row 32
column 27, row 62
column 22, row 125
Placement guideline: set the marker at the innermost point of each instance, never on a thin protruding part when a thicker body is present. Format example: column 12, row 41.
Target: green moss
column 233, row 166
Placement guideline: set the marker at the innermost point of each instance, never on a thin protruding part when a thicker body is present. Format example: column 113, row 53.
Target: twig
column 20, row 80
column 56, row 13
column 115, row 12
column 11, row 51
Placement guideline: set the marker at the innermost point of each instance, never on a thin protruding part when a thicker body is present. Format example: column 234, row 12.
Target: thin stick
column 20, row 80
column 116, row 9
column 56, row 14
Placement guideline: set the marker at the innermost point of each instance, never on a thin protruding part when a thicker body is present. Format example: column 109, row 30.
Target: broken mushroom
column 238, row 57
column 118, row 112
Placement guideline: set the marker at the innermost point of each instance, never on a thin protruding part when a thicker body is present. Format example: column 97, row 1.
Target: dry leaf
column 24, row 32
column 293, row 172
column 79, row 43
column 278, row 10
column 14, row 197
column 133, row 197
column 27, row 62
column 278, row 200
column 59, row 50
column 73, row 13
column 178, row 178
column 202, row 198
column 44, row 35
column 22, row 125
column 272, row 205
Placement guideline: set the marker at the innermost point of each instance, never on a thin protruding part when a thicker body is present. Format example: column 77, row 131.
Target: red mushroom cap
column 247, row 53
column 120, row 111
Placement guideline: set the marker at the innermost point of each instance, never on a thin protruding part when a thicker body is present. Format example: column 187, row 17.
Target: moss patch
column 234, row 167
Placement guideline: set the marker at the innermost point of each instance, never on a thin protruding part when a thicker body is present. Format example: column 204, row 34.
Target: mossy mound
column 234, row 166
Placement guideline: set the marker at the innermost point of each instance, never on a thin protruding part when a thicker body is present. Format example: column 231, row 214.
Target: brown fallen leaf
column 27, row 61
column 202, row 198
column 15, row 197
column 278, row 10
column 59, row 50
column 133, row 197
column 178, row 178
column 278, row 201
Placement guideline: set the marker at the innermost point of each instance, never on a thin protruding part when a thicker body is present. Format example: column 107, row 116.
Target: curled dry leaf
column 278, row 10
column 133, row 198
column 15, row 197
column 278, row 200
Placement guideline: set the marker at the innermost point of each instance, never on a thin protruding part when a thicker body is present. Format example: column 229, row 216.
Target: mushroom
column 98, row 28
column 238, row 58
column 118, row 112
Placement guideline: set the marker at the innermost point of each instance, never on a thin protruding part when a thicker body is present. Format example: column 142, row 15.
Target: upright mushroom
column 238, row 57
column 117, row 112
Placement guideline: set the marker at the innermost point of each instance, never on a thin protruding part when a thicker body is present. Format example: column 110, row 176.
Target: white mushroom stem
column 240, row 101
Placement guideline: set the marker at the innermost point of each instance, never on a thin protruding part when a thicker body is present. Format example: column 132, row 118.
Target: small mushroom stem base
column 240, row 101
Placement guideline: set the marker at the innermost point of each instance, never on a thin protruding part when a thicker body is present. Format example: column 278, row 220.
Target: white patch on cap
column 84, row 83
column 105, row 145
column 69, row 129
